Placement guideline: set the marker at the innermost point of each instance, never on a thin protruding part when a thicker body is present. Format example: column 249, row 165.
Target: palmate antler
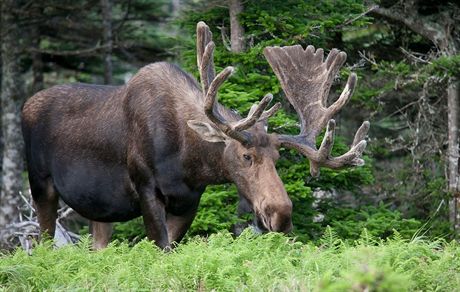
column 306, row 80
column 210, row 83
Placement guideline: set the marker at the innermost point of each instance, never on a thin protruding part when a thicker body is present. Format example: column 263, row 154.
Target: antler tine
column 269, row 113
column 361, row 133
column 321, row 157
column 211, row 94
column 334, row 61
column 324, row 150
column 210, row 104
column 204, row 54
column 345, row 96
column 306, row 80
column 256, row 113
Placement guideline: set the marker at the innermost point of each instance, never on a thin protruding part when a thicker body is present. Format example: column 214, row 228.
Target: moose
column 150, row 147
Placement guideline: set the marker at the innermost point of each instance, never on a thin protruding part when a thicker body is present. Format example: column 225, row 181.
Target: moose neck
column 212, row 162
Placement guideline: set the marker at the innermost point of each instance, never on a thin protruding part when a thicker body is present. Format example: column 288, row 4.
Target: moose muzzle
column 276, row 217
column 280, row 218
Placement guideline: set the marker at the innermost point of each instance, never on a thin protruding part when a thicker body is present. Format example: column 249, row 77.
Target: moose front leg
column 178, row 225
column 151, row 199
column 182, row 208
column 154, row 215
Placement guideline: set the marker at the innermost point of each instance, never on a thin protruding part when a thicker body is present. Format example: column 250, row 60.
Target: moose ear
column 207, row 132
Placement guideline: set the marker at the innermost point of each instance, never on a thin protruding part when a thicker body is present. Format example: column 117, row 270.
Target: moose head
column 250, row 152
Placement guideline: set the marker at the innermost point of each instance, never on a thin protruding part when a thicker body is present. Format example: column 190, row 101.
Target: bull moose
column 151, row 146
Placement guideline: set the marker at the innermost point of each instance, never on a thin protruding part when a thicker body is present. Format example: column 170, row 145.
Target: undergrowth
column 250, row 263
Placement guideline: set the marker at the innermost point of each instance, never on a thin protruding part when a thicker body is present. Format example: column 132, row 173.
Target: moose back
column 150, row 147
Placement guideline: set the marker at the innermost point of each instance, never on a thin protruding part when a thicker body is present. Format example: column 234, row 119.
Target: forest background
column 405, row 53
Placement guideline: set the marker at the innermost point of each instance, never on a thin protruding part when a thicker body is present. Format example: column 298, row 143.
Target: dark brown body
column 115, row 153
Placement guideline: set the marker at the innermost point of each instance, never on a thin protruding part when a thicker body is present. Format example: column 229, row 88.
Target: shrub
column 222, row 263
column 379, row 222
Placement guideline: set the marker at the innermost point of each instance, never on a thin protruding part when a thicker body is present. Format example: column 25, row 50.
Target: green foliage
column 217, row 210
column 418, row 192
column 70, row 30
column 131, row 231
column 405, row 90
column 379, row 222
column 249, row 263
column 445, row 66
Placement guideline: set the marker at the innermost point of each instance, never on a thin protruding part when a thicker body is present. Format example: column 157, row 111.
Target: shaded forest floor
column 252, row 263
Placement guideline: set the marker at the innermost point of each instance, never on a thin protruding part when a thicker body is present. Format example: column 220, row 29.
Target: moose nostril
column 277, row 217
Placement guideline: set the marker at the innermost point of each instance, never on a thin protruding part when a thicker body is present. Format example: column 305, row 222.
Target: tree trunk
column 1, row 74
column 37, row 61
column 11, row 101
column 107, row 37
column 453, row 101
column 236, row 30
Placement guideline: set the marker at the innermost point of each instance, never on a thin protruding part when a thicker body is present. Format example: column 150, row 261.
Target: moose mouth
column 267, row 218
column 260, row 225
column 264, row 223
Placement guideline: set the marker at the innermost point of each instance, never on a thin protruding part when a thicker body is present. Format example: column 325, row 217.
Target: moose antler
column 210, row 83
column 306, row 80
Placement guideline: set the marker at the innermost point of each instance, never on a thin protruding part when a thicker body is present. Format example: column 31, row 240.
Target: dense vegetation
column 404, row 176
column 220, row 262
column 386, row 226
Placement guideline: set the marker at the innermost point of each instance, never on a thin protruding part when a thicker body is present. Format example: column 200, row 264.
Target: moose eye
column 246, row 157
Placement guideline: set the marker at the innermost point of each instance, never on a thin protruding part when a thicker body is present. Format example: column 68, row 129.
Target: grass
column 248, row 263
